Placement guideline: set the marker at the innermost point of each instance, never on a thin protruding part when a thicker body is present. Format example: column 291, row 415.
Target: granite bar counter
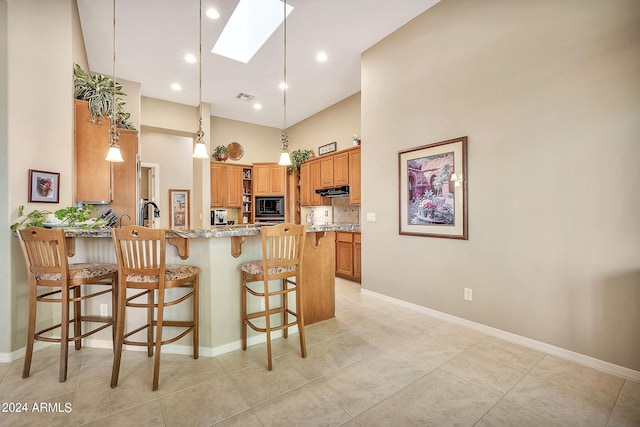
column 218, row 251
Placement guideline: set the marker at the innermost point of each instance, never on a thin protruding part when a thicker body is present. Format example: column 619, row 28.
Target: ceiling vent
column 245, row 96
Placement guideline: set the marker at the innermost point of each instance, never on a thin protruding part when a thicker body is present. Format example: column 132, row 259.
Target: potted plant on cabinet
column 97, row 90
column 297, row 157
column 220, row 153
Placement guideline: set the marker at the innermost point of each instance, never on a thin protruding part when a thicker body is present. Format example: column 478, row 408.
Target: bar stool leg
column 267, row 322
column 77, row 314
column 244, row 312
column 150, row 301
column 64, row 334
column 120, row 307
column 31, row 328
column 158, row 344
column 196, row 314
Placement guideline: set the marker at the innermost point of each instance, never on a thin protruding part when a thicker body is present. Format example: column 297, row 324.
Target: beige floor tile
column 304, row 406
column 247, row 418
column 256, row 384
column 403, row 409
column 385, row 334
column 180, row 371
column 324, row 330
column 627, row 409
column 453, row 397
column 460, row 335
column 433, row 349
column 42, row 412
column 332, row 354
column 41, row 385
column 397, row 368
column 581, row 379
column 507, row 414
column 146, row 415
column 353, row 391
column 100, row 400
column 514, row 355
column 484, row 371
column 203, row 404
column 557, row 403
column 4, row 368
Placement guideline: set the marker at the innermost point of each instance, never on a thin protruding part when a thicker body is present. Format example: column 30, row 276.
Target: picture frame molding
column 35, row 196
column 460, row 228
column 327, row 148
column 174, row 196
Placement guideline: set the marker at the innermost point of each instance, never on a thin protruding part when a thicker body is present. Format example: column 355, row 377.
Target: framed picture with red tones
column 44, row 187
column 433, row 190
column 179, row 209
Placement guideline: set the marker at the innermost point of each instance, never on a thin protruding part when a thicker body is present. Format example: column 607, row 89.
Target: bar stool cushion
column 82, row 271
column 173, row 272
column 255, row 268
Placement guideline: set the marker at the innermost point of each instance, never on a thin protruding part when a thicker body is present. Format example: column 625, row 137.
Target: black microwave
column 269, row 207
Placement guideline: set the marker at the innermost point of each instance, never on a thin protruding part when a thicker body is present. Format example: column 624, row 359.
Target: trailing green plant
column 220, row 152
column 97, row 90
column 297, row 157
column 69, row 217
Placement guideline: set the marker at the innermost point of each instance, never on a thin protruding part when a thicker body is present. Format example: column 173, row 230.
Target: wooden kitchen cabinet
column 326, row 172
column 348, row 258
column 305, row 184
column 341, row 169
column 354, row 176
column 234, row 186
column 314, row 172
column 269, row 179
column 96, row 180
column 218, row 184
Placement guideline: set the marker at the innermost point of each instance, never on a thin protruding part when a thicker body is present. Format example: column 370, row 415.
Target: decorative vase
column 222, row 157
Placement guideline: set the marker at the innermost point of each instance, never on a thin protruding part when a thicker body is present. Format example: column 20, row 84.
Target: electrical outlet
column 371, row 216
column 468, row 294
column 104, row 310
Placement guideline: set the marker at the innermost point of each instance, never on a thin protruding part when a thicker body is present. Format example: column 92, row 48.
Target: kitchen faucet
column 123, row 215
column 156, row 211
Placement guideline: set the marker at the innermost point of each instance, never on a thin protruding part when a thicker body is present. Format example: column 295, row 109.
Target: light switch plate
column 371, row 216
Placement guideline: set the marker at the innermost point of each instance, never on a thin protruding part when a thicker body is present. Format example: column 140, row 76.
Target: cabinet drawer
column 344, row 237
column 357, row 238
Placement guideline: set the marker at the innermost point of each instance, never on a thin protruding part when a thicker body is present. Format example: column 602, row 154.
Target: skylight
column 250, row 25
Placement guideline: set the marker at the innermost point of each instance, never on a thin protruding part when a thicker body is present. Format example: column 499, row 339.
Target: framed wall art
column 44, row 187
column 179, row 209
column 328, row 148
column 433, row 190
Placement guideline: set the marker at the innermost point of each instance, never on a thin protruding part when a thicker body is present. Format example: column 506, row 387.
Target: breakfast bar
column 218, row 251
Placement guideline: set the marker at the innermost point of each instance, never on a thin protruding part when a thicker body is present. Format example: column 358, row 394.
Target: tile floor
column 361, row 370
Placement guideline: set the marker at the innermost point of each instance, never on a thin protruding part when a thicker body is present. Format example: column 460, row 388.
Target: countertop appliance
column 219, row 217
column 270, row 208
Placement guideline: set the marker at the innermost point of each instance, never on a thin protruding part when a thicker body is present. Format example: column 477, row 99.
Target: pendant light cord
column 285, row 65
column 200, row 69
column 114, row 125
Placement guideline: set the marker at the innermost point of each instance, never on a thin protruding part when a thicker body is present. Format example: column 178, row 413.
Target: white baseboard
column 170, row 348
column 588, row 361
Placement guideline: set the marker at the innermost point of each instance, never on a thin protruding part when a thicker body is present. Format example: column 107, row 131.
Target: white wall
column 549, row 96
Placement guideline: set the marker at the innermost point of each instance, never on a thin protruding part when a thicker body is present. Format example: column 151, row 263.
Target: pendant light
column 200, row 151
column 114, row 154
column 285, row 158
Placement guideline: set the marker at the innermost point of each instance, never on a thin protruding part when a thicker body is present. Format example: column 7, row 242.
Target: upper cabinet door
column 305, row 184
column 326, row 172
column 218, row 185
column 92, row 172
column 269, row 179
column 341, row 169
column 234, row 180
column 354, row 177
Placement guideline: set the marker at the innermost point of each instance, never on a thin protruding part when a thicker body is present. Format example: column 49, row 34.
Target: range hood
column 341, row 191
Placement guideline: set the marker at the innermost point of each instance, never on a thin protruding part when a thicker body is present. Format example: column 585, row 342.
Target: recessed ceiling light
column 249, row 27
column 321, row 57
column 283, row 86
column 175, row 86
column 257, row 106
column 212, row 13
column 190, row 58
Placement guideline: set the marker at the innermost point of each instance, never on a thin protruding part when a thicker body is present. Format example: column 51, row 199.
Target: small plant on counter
column 220, row 153
column 66, row 217
column 297, row 157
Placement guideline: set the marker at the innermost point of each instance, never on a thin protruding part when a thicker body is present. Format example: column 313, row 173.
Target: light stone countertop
column 213, row 231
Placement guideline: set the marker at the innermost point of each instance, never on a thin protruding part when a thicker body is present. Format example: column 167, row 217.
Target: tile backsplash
column 339, row 212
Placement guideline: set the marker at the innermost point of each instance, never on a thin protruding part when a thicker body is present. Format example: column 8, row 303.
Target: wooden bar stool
column 141, row 254
column 45, row 253
column 282, row 249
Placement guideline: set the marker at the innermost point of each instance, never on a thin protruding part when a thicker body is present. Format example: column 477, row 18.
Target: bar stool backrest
column 140, row 251
column 45, row 253
column 282, row 248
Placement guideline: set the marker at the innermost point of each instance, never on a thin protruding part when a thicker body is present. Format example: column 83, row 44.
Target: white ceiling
column 153, row 37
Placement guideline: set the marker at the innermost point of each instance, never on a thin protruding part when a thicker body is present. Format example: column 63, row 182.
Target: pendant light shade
column 114, row 155
column 200, row 150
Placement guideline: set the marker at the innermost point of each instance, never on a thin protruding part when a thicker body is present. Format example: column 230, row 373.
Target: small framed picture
column 179, row 209
column 44, row 187
column 326, row 149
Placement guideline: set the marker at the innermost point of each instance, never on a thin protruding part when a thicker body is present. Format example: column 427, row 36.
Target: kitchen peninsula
column 218, row 251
